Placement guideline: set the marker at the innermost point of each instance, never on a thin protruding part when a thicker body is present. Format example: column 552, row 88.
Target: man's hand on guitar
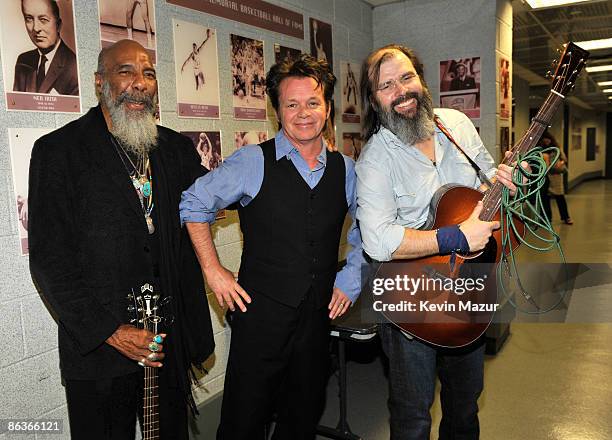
column 504, row 174
column 134, row 343
column 476, row 231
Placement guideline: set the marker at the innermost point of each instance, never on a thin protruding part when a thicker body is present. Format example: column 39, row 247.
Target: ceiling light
column 537, row 4
column 599, row 68
column 604, row 83
column 607, row 90
column 595, row 44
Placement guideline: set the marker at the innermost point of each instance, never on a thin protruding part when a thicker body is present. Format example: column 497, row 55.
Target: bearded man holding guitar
column 406, row 159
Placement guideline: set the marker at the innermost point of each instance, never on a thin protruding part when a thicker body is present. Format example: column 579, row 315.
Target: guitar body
column 443, row 326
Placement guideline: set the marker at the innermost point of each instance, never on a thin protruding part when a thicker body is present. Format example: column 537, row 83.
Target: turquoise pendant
column 146, row 189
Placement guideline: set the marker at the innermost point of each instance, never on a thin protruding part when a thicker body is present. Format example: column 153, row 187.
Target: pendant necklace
column 142, row 180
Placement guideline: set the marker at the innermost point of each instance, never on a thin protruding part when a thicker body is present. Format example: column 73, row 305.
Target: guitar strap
column 481, row 175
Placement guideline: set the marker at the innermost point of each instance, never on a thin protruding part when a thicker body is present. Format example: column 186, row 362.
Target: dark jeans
column 413, row 367
column 561, row 202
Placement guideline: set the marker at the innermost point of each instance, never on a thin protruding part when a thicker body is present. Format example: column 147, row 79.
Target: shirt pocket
column 412, row 202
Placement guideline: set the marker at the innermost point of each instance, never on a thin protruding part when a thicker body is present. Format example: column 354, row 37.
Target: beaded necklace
column 142, row 180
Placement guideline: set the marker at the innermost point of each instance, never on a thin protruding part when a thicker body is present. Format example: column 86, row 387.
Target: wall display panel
column 504, row 140
column 39, row 56
column 321, row 41
column 253, row 12
column 504, row 88
column 352, row 144
column 242, row 138
column 128, row 19
column 285, row 53
column 351, row 97
column 197, row 70
column 248, row 78
column 208, row 146
column 21, row 141
column 460, row 85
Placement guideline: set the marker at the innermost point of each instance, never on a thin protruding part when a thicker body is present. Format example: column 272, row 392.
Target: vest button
column 146, row 249
column 313, row 195
column 314, row 259
column 313, row 276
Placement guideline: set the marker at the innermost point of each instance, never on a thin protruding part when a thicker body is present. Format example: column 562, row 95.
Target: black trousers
column 278, row 362
column 106, row 409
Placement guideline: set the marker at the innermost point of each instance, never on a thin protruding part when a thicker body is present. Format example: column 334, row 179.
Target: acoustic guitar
column 444, row 313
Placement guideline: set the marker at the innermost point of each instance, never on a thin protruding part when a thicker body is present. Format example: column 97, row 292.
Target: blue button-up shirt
column 239, row 179
column 396, row 182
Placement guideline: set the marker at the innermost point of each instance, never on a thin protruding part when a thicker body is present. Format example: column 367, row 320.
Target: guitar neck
column 150, row 404
column 492, row 199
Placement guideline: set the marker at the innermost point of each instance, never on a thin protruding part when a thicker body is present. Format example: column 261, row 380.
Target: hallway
column 550, row 380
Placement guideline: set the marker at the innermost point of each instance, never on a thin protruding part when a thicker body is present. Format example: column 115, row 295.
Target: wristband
column 451, row 240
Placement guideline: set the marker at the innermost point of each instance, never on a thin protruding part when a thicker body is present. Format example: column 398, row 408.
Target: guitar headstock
column 570, row 65
column 145, row 305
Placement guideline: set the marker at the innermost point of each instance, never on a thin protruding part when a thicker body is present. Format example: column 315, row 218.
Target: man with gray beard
column 406, row 159
column 104, row 223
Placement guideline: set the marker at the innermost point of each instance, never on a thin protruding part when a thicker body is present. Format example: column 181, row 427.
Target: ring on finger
column 152, row 356
column 153, row 346
column 142, row 362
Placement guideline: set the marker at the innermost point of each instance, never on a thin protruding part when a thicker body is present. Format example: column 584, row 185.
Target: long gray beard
column 136, row 130
column 411, row 129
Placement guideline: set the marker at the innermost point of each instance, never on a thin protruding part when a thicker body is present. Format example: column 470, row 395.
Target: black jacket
column 88, row 246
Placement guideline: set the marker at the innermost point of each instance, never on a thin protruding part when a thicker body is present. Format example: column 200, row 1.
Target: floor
column 550, row 380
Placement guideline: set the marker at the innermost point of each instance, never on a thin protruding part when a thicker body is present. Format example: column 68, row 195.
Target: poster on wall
column 39, row 56
column 242, row 138
column 257, row 13
column 460, row 85
column 351, row 99
column 197, row 73
column 208, row 146
column 128, row 19
column 285, row 53
column 248, row 78
column 504, row 88
column 321, row 41
column 21, row 141
column 504, row 140
column 351, row 144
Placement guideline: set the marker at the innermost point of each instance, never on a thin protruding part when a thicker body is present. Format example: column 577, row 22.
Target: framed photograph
column 351, row 97
column 248, row 78
column 208, row 146
column 352, row 144
column 460, row 85
column 285, row 53
column 504, row 88
column 39, row 56
column 21, row 141
column 128, row 19
column 242, row 138
column 321, row 41
column 197, row 73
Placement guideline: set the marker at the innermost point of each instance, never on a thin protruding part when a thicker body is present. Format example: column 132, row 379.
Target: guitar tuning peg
column 554, row 62
column 549, row 74
column 130, row 296
column 131, row 308
column 132, row 321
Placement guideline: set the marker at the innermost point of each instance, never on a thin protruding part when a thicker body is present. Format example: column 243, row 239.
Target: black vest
column 291, row 232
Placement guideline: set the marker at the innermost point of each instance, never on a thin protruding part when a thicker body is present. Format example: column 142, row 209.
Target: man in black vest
column 292, row 196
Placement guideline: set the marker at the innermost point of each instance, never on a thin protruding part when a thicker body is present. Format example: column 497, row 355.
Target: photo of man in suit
column 51, row 67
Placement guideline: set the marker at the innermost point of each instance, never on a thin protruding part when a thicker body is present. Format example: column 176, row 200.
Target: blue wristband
column 451, row 240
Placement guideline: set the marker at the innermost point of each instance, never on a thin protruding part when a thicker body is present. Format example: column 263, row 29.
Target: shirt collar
column 49, row 56
column 284, row 147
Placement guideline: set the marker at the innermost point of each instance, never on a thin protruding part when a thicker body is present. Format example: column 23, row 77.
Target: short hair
column 101, row 69
column 305, row 66
column 54, row 9
column 370, row 73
